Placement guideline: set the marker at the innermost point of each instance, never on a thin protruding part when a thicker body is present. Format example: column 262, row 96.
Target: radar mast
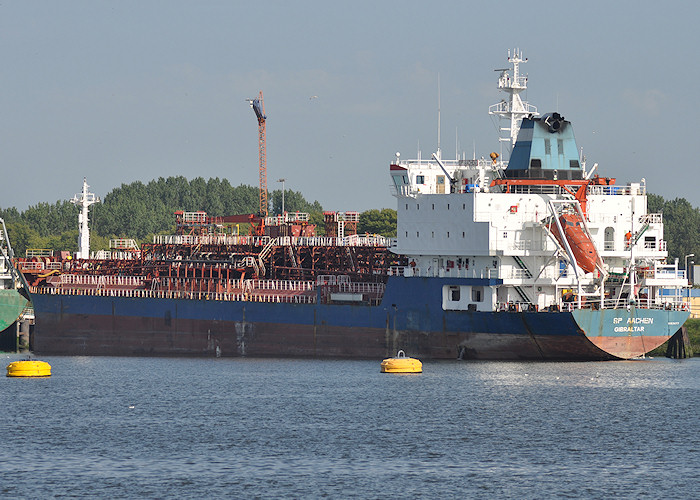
column 514, row 109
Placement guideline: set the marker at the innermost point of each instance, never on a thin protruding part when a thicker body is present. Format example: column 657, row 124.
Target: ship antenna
column 438, row 123
column 514, row 109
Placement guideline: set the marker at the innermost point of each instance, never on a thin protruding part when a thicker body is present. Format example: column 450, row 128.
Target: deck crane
column 259, row 107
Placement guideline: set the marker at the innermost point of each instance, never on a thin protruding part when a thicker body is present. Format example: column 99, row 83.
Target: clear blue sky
column 135, row 90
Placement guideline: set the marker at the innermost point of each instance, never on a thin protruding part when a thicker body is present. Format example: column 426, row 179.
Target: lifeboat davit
column 581, row 245
column 29, row 368
column 401, row 364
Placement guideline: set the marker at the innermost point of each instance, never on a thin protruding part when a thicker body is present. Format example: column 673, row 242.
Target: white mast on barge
column 86, row 199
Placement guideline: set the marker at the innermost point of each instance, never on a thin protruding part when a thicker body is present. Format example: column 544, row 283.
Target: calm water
column 247, row 428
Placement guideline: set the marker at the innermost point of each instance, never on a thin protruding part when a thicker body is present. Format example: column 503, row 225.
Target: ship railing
column 123, row 244
column 278, row 220
column 318, row 241
column 520, row 274
column 280, row 285
column 38, row 252
column 652, row 219
column 455, row 272
column 396, row 271
column 332, row 279
column 373, row 240
column 517, row 306
column 632, row 188
column 177, row 294
column 374, row 288
column 528, row 245
column 194, row 216
column 669, row 271
column 115, row 255
column 77, row 279
column 31, row 266
column 666, row 304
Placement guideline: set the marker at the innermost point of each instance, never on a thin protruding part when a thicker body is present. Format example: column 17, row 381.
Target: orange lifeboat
column 581, row 245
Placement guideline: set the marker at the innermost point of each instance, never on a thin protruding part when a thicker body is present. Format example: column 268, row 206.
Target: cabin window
column 448, row 206
column 406, row 206
column 464, row 206
column 535, row 163
column 462, row 234
column 560, row 146
column 433, row 206
column 477, row 294
column 417, row 206
column 650, row 242
column 448, row 234
column 573, row 164
column 406, row 234
column 417, row 234
column 454, row 293
column 547, row 147
column 420, row 179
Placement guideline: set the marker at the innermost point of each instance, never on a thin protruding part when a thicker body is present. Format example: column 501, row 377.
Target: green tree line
column 139, row 211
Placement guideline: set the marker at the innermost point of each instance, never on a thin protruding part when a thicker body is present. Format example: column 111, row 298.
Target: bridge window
column 547, row 147
column 420, row 179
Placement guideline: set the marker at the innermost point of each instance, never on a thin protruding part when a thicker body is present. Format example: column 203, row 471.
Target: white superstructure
column 487, row 219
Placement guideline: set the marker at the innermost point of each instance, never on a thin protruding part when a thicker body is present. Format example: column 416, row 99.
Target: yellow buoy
column 29, row 368
column 401, row 364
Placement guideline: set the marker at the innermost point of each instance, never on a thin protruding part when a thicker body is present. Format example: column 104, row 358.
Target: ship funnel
column 554, row 121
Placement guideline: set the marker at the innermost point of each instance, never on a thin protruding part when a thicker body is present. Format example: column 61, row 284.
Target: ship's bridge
column 414, row 177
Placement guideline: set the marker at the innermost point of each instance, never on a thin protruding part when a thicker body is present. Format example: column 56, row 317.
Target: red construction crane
column 259, row 107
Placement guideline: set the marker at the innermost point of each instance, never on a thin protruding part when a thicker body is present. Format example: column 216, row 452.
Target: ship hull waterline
column 99, row 325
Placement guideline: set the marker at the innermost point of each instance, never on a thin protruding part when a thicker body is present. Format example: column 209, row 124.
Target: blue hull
column 410, row 317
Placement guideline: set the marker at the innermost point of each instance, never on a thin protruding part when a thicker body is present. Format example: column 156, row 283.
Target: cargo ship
column 534, row 258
